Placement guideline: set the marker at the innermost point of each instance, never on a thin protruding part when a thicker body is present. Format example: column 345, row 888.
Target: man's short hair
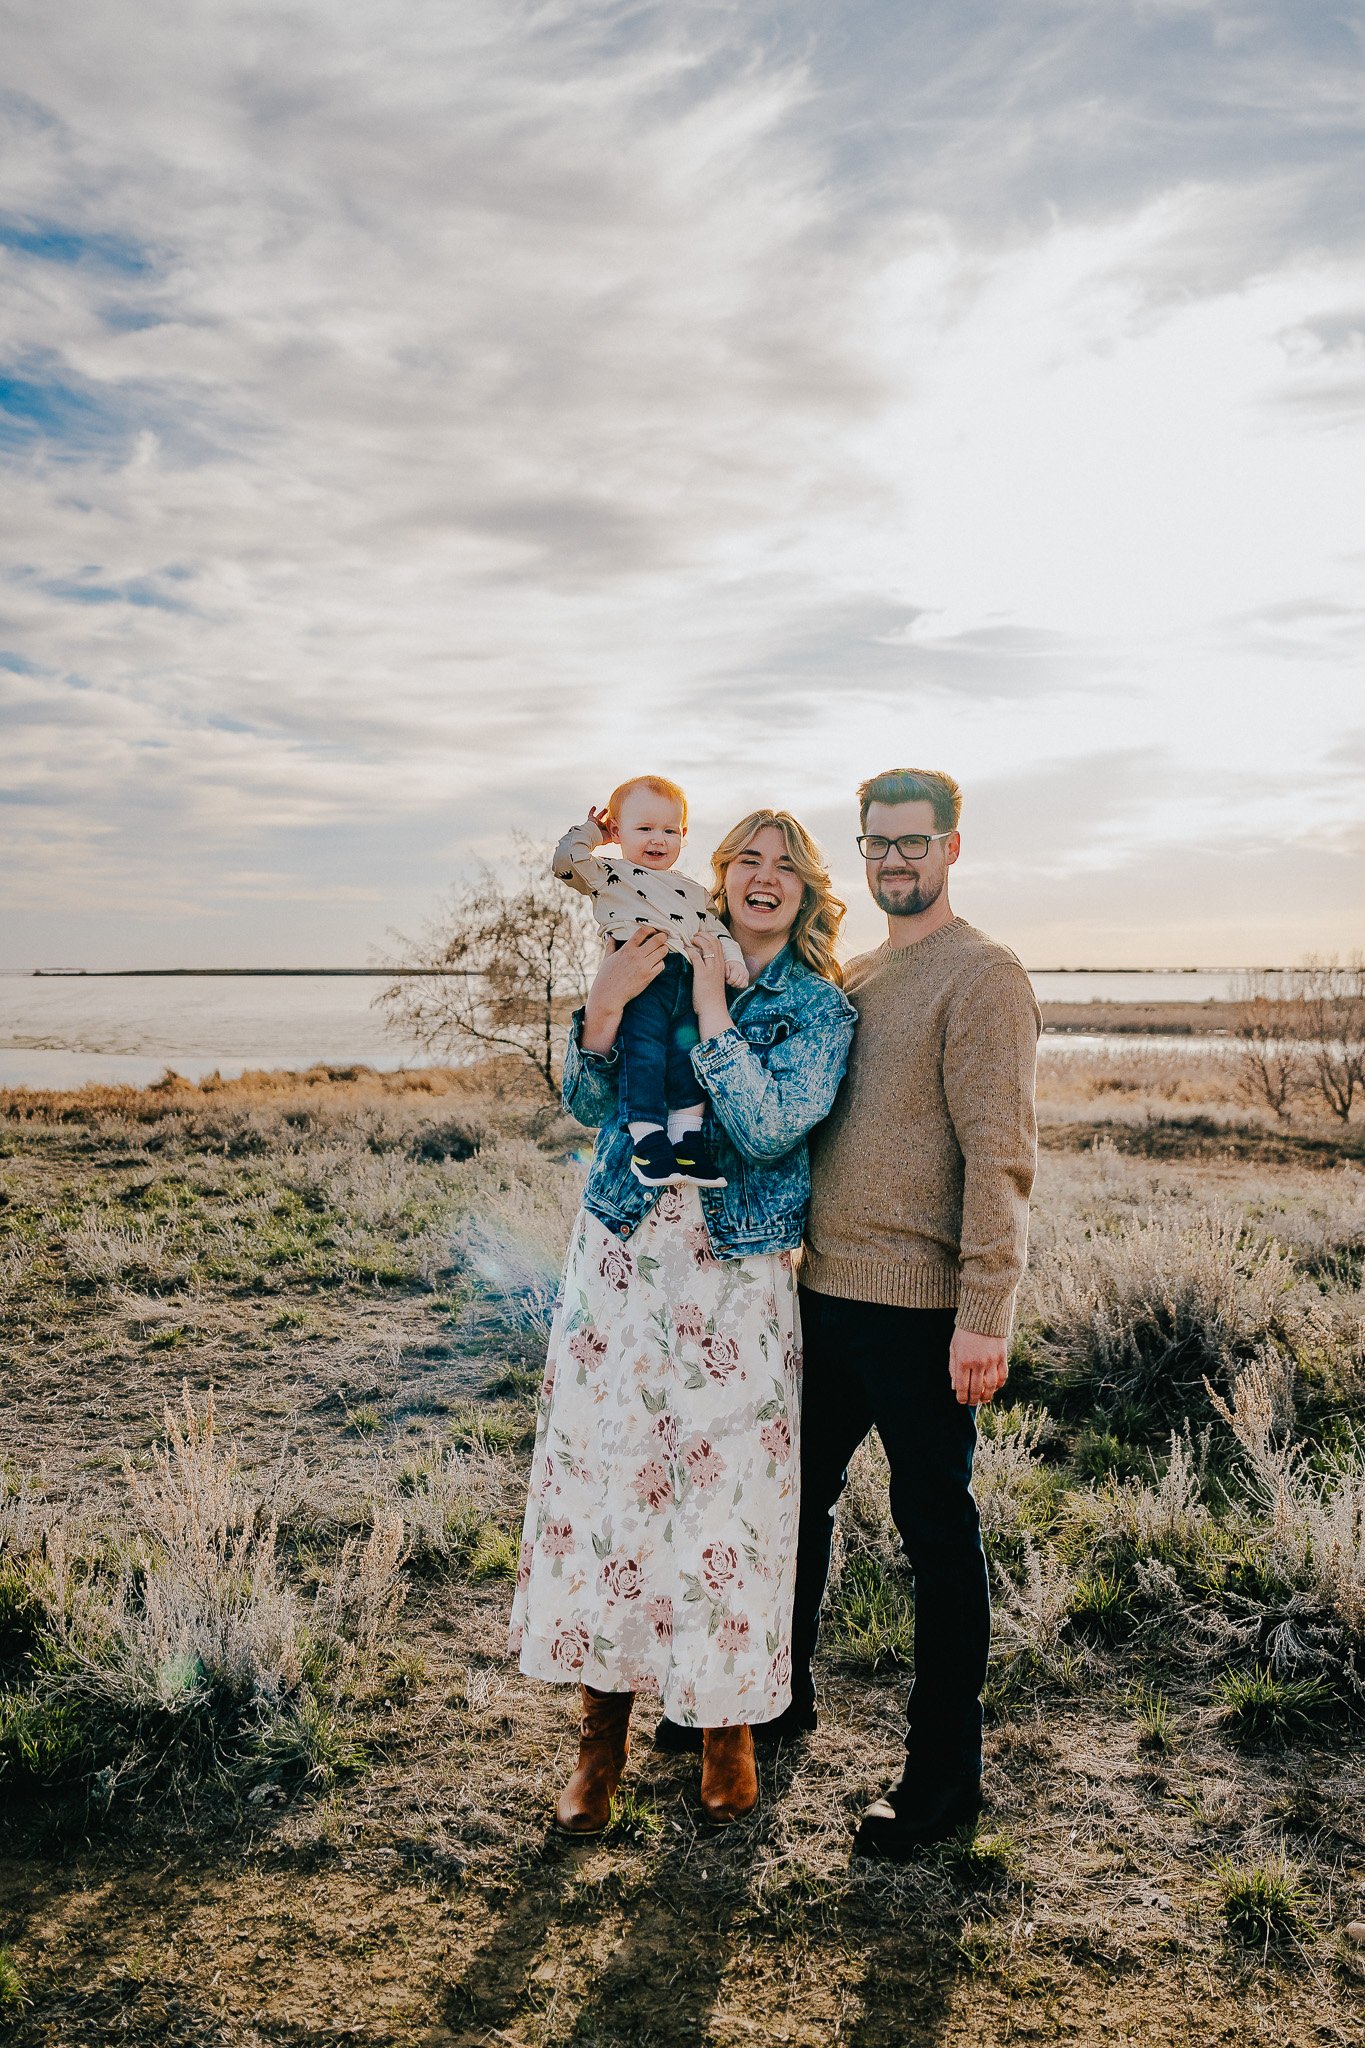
column 914, row 786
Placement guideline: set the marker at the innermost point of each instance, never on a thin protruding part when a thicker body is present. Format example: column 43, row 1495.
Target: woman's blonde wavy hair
column 816, row 929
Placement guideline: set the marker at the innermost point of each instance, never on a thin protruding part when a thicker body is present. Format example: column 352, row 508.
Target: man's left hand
column 978, row 1366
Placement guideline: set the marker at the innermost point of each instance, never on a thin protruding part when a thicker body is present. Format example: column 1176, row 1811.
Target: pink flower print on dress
column 547, row 1478
column 616, row 1267
column 780, row 1669
column 720, row 1355
column 689, row 1322
column 784, row 1260
column 659, row 1613
column 776, row 1439
column 699, row 1240
column 524, row 1563
column 621, row 1578
column 703, row 1465
column 652, row 1485
column 556, row 1539
column 719, row 1564
column 666, row 1430
column 733, row 1634
column 670, row 1205
column 589, row 1348
column 570, row 1647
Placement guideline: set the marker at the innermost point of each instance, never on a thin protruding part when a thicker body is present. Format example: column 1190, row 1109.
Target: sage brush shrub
column 1135, row 1319
column 184, row 1650
column 1308, row 1521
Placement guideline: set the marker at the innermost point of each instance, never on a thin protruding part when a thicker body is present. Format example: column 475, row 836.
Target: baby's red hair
column 658, row 785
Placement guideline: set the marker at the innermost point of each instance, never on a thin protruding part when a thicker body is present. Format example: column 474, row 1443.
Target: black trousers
column 866, row 1366
column 657, row 1034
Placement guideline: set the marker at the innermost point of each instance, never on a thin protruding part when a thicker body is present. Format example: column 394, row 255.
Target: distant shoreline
column 247, row 973
column 386, row 973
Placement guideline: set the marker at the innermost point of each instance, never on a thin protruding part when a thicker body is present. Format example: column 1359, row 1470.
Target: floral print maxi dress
column 659, row 1549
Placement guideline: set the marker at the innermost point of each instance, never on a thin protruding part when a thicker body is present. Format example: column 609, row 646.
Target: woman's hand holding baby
column 624, row 972
column 708, row 984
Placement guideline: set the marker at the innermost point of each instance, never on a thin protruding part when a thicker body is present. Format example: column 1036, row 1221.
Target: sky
column 414, row 419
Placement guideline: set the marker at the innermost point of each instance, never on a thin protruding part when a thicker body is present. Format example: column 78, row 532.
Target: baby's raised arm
column 575, row 860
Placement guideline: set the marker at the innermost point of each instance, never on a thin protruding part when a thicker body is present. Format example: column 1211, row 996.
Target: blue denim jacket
column 767, row 1081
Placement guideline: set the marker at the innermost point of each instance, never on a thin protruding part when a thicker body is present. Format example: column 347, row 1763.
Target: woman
column 659, row 1549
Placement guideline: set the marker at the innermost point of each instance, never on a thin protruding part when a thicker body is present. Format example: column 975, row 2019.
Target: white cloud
column 448, row 411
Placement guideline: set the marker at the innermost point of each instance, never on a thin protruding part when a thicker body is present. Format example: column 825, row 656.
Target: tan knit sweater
column 922, row 1171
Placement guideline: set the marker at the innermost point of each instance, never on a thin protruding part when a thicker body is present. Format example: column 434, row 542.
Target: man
column 914, row 1252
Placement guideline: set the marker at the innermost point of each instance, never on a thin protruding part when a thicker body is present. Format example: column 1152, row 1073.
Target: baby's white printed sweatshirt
column 624, row 897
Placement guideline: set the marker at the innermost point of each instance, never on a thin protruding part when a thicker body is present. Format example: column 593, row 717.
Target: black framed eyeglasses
column 910, row 845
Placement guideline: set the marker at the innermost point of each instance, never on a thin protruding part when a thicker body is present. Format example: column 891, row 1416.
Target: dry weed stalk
column 1316, row 1518
column 1007, row 1469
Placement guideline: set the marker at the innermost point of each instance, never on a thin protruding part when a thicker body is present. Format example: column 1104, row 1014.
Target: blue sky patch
column 51, row 243
column 137, row 590
column 52, row 407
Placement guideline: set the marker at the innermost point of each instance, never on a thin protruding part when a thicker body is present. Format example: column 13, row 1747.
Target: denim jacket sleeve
column 767, row 1103
column 591, row 1082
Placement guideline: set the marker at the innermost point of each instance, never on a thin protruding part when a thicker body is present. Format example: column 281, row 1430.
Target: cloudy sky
column 415, row 417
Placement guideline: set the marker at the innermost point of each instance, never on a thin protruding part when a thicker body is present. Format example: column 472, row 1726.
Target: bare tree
column 1271, row 1064
column 498, row 969
column 1333, row 999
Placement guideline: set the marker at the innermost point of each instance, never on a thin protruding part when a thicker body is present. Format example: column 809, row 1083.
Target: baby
column 647, row 819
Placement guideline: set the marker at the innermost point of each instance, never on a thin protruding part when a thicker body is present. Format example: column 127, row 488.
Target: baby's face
column 649, row 830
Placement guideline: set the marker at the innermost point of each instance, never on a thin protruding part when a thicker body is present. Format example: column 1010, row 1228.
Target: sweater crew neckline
column 916, row 948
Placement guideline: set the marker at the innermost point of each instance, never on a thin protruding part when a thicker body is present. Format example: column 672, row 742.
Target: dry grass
column 289, row 1809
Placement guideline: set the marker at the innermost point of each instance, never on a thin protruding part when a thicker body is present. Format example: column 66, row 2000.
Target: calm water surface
column 64, row 1032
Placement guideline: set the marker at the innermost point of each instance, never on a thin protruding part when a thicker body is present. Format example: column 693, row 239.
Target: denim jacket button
column 625, row 1230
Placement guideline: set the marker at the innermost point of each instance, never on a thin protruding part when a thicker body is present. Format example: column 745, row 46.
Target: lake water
column 62, row 1032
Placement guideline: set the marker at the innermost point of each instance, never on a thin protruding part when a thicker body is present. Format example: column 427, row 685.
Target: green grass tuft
column 1257, row 1705
column 1099, row 1607
column 1153, row 1710
column 365, row 1420
column 1100, row 1454
column 872, row 1624
column 1263, row 1904
column 14, row 1999
column 494, row 1554
column 634, row 1817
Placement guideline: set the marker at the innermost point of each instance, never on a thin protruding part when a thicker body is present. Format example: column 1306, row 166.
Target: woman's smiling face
column 762, row 888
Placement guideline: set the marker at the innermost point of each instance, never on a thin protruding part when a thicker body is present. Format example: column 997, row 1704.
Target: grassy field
column 269, row 1353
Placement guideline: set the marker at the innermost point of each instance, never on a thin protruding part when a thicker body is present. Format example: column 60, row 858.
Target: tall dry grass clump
column 1133, row 1319
column 180, row 1648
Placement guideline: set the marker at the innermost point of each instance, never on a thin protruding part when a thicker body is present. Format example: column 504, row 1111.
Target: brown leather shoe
column 729, row 1775
column 584, row 1806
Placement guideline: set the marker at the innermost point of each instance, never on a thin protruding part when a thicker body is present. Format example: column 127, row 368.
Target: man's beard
column 921, row 895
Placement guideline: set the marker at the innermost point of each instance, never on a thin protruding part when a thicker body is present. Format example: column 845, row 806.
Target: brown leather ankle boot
column 584, row 1806
column 729, row 1775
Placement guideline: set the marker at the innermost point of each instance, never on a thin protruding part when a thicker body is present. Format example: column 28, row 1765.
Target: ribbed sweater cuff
column 988, row 1314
